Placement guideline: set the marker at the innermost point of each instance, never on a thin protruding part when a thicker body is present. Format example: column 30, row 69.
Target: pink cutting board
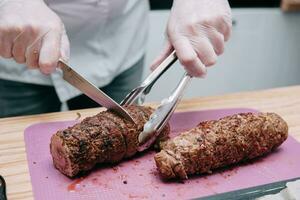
column 137, row 178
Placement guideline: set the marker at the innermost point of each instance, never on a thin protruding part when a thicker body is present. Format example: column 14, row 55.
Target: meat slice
column 103, row 138
column 218, row 143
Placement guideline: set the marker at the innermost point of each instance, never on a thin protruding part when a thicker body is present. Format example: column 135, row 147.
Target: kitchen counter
column 13, row 164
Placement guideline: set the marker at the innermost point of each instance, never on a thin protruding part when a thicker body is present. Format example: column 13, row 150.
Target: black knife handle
column 2, row 189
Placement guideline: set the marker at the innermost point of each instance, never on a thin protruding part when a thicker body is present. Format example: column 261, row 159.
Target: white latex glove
column 197, row 30
column 32, row 33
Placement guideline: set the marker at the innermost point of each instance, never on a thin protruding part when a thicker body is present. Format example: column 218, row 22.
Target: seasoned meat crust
column 103, row 138
column 218, row 143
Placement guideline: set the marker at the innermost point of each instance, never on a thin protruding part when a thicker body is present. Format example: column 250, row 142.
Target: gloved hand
column 32, row 33
column 197, row 30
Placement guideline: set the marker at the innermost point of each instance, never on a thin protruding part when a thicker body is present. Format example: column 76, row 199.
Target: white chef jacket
column 106, row 37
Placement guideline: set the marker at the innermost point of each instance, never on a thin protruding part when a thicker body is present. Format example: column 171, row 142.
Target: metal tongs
column 162, row 114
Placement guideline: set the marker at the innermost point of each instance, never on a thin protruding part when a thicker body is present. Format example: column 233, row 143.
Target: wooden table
column 13, row 164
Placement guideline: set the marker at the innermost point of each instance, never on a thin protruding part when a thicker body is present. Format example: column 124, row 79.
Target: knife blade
column 79, row 82
column 252, row 192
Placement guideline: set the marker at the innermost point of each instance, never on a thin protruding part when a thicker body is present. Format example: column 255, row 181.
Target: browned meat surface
column 218, row 143
column 103, row 138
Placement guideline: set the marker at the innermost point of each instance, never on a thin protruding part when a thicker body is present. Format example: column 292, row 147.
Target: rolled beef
column 103, row 138
column 219, row 143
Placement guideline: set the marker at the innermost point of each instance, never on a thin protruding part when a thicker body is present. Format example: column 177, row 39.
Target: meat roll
column 103, row 138
column 218, row 143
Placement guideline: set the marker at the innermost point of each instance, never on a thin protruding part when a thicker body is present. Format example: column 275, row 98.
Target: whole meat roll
column 103, row 138
column 218, row 143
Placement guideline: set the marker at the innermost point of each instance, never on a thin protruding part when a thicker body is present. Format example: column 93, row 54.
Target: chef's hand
column 197, row 30
column 32, row 33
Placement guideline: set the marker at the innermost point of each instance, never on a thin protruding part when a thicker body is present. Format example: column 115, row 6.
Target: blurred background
column 263, row 52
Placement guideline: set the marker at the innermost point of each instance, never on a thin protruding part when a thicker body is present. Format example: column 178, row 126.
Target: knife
column 252, row 192
column 2, row 189
column 72, row 77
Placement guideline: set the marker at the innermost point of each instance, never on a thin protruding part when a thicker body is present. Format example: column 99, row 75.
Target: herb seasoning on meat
column 103, row 138
column 218, row 143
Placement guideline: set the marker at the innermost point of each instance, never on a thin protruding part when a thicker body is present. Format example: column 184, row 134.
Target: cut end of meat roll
column 103, row 138
column 169, row 166
column 219, row 143
column 61, row 157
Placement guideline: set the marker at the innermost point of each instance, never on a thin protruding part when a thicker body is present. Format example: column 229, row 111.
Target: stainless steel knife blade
column 91, row 90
